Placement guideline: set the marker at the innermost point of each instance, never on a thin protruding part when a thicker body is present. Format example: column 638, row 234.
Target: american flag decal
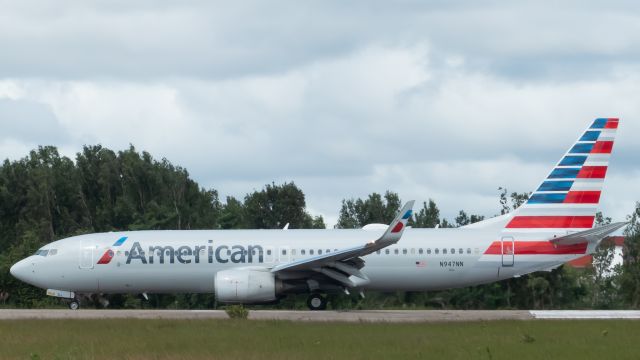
column 421, row 263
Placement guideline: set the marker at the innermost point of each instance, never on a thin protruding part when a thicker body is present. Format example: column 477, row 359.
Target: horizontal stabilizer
column 589, row 236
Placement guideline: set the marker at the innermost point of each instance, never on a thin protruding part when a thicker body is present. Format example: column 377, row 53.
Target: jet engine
column 246, row 286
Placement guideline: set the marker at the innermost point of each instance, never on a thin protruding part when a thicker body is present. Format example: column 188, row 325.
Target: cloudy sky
column 439, row 99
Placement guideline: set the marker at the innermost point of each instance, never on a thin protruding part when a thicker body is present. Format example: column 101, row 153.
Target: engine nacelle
column 245, row 286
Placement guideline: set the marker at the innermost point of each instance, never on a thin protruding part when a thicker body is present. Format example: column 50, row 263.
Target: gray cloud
column 222, row 40
column 443, row 99
column 30, row 122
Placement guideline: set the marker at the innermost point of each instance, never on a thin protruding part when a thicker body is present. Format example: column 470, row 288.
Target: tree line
column 45, row 196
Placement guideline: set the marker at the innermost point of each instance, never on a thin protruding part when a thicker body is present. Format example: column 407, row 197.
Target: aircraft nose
column 20, row 270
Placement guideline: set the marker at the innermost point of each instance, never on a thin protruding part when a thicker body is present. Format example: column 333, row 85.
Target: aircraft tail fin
column 568, row 198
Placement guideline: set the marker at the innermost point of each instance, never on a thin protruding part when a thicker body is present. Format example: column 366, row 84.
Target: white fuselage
column 187, row 261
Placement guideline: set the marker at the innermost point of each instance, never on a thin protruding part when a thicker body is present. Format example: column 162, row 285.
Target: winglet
column 397, row 226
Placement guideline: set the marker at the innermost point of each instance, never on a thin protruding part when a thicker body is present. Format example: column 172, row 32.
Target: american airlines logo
column 223, row 254
column 156, row 254
column 108, row 255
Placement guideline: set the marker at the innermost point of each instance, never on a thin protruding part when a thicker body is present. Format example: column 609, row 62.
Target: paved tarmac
column 322, row 316
column 319, row 316
column 586, row 314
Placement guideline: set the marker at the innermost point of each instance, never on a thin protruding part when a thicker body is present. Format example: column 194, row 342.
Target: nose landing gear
column 74, row 304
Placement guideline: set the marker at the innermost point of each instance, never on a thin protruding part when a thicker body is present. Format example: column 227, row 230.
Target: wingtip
column 407, row 210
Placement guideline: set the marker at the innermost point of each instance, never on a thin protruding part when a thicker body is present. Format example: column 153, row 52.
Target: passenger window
column 429, row 251
column 268, row 252
column 378, row 252
column 328, row 251
column 386, row 251
column 444, row 251
column 453, row 251
column 284, row 252
column 460, row 251
column 320, row 252
column 396, row 251
column 293, row 251
column 437, row 250
column 413, row 251
column 404, row 251
column 468, row 250
column 420, row 251
column 311, row 252
column 476, row 250
column 302, row 252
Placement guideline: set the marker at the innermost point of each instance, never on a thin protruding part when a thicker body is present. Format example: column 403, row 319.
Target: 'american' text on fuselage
column 236, row 254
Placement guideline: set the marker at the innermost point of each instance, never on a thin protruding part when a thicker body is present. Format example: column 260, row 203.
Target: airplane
column 554, row 226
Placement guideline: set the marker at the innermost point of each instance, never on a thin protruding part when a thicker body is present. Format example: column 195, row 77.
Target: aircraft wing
column 343, row 264
column 591, row 235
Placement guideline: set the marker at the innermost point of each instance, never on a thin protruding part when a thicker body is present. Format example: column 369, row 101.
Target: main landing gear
column 316, row 302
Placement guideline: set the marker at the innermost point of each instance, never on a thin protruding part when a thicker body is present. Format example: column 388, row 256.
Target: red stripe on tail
column 582, row 197
column 592, row 172
column 551, row 222
column 612, row 123
column 602, row 147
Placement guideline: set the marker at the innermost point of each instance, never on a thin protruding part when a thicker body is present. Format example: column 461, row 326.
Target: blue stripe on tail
column 546, row 199
column 555, row 186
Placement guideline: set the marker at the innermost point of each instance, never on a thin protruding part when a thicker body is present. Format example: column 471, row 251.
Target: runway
column 396, row 316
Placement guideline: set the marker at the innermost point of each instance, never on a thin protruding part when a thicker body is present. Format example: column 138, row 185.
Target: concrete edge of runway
column 397, row 316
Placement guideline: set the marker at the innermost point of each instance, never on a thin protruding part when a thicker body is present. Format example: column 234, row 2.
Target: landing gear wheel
column 316, row 302
column 74, row 305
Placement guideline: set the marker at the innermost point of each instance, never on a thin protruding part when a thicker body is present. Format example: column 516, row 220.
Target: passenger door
column 86, row 256
column 508, row 253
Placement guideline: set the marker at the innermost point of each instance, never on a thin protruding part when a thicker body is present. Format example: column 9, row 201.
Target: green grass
column 238, row 339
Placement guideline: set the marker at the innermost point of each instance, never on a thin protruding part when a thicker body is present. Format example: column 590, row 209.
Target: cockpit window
column 53, row 252
column 42, row 252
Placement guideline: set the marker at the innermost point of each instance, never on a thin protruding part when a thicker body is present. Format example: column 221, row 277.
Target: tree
column 630, row 278
column 600, row 275
column 356, row 213
column 233, row 216
column 275, row 206
column 463, row 219
column 313, row 222
column 428, row 216
column 516, row 200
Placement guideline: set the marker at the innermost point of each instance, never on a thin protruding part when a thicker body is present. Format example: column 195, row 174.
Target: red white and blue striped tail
column 567, row 200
